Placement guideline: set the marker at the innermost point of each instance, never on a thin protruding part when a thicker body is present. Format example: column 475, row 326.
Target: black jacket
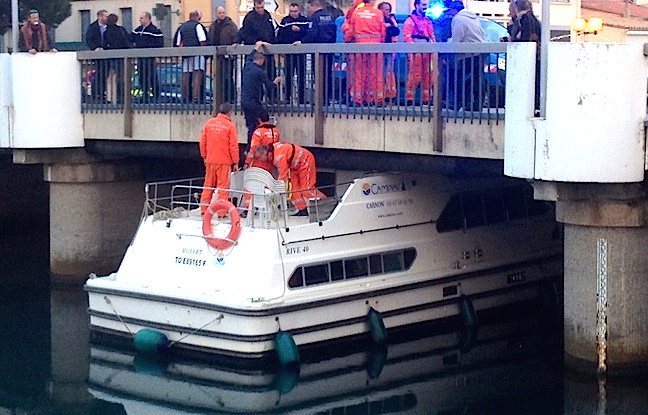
column 323, row 28
column 253, row 79
column 256, row 27
column 116, row 37
column 93, row 36
column 286, row 35
column 147, row 37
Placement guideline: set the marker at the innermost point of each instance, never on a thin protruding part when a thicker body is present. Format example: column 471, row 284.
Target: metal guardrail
column 466, row 81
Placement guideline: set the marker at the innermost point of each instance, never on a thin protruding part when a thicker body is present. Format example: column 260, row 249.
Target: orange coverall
column 416, row 29
column 367, row 26
column 297, row 164
column 219, row 149
column 266, row 134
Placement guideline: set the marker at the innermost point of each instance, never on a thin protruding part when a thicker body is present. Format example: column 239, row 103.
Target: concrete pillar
column 94, row 211
column 592, row 214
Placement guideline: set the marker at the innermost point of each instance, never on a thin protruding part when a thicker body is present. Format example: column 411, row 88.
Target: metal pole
column 14, row 26
column 544, row 48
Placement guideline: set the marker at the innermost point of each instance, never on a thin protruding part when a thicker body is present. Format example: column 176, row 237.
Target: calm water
column 48, row 366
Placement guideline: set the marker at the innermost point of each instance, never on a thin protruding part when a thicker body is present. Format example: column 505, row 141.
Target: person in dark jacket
column 258, row 25
column 222, row 32
column 95, row 41
column 33, row 35
column 116, row 37
column 322, row 30
column 192, row 33
column 146, row 36
column 291, row 30
column 253, row 81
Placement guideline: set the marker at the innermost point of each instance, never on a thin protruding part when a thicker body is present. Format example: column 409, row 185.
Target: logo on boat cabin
column 381, row 189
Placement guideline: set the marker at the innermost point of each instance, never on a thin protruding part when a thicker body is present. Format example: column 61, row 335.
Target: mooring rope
column 220, row 317
column 107, row 300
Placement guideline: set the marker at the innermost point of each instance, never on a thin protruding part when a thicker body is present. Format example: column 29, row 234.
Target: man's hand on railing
column 278, row 80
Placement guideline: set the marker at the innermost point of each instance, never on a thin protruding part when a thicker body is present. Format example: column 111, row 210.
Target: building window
column 85, row 23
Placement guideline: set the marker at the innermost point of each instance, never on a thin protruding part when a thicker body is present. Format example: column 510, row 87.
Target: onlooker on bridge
column 192, row 33
column 253, row 81
column 466, row 71
column 257, row 26
column 95, row 41
column 391, row 36
column 418, row 29
column 529, row 31
column 33, row 35
column 146, row 36
column 220, row 152
column 291, row 31
column 222, row 32
column 322, row 30
column 367, row 26
column 115, row 37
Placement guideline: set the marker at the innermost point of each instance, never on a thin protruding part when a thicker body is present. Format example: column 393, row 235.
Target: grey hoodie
column 466, row 28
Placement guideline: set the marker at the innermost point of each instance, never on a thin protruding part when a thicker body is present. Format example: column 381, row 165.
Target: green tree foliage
column 52, row 12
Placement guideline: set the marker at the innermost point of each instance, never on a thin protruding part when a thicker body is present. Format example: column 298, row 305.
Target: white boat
column 381, row 251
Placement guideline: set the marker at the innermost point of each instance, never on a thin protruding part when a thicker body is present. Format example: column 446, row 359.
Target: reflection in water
column 47, row 366
column 418, row 376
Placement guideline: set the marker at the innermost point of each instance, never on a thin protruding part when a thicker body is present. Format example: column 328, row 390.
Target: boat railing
column 178, row 198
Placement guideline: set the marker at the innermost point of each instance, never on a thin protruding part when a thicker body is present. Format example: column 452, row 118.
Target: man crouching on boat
column 296, row 166
column 219, row 148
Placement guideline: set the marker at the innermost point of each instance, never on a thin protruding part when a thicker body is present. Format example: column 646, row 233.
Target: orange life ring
column 219, row 206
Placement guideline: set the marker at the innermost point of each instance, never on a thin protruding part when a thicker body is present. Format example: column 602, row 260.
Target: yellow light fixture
column 594, row 24
column 587, row 26
column 579, row 24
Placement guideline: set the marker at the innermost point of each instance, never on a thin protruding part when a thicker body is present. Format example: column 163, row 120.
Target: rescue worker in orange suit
column 220, row 151
column 418, row 28
column 296, row 166
column 348, row 38
column 367, row 26
column 266, row 134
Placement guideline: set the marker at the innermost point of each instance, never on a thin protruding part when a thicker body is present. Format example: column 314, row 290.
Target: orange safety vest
column 265, row 135
column 219, row 141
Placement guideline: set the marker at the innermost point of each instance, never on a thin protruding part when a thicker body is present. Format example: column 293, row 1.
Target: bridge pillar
column 606, row 268
column 94, row 211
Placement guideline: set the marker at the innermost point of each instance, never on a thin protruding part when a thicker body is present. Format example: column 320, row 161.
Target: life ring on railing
column 235, row 230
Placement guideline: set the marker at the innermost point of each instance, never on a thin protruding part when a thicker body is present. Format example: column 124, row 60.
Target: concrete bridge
column 586, row 152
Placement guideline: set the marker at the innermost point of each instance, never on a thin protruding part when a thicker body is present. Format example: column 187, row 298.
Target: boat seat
column 260, row 184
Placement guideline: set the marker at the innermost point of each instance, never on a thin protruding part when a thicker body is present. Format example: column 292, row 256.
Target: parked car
column 169, row 78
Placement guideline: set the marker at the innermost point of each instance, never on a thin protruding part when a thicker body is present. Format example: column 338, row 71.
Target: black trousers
column 251, row 111
column 148, row 79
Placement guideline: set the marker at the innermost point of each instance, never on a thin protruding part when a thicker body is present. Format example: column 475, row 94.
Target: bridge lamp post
column 14, row 26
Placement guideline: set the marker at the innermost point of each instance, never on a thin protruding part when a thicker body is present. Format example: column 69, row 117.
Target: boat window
column 337, row 271
column 316, row 274
column 296, row 279
column 409, row 255
column 489, row 206
column 356, row 267
column 473, row 210
column 393, row 261
column 375, row 264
